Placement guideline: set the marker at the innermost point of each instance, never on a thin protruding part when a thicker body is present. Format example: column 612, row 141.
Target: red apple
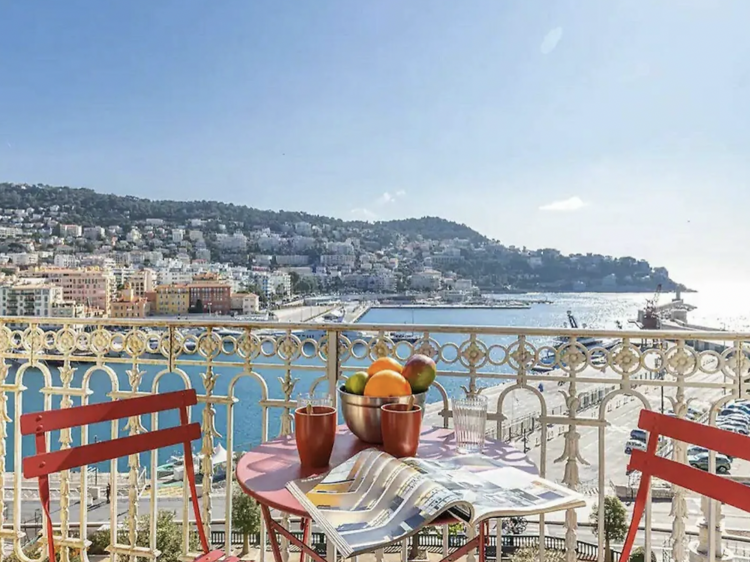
column 420, row 371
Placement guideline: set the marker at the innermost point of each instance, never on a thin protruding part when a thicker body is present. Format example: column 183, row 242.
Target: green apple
column 356, row 383
column 420, row 371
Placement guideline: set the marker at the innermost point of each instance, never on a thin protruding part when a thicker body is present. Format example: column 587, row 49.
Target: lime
column 356, row 383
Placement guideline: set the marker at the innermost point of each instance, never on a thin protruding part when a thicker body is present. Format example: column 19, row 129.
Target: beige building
column 142, row 282
column 245, row 303
column 128, row 305
column 93, row 287
column 69, row 309
column 172, row 300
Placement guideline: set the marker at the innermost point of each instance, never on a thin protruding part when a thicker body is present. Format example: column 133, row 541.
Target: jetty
column 445, row 306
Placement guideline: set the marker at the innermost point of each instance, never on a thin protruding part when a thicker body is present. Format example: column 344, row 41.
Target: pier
column 498, row 306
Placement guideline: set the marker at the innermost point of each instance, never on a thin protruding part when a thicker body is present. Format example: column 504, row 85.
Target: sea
column 595, row 310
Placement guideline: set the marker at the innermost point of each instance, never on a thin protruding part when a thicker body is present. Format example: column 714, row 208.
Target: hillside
column 89, row 208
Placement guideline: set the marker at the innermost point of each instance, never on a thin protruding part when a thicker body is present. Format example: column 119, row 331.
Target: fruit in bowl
column 356, row 383
column 386, row 381
column 420, row 371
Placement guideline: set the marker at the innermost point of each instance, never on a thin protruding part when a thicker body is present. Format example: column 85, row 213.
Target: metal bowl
column 362, row 413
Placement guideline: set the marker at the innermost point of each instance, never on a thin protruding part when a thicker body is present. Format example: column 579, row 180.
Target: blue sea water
column 600, row 311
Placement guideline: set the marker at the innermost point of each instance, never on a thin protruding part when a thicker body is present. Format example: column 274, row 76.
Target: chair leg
column 638, row 509
column 306, row 526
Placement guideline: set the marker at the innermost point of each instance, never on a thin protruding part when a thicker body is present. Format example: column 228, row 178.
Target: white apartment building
column 178, row 235
column 174, row 277
column 428, row 279
column 292, row 260
column 270, row 243
column 74, row 230
column 195, row 235
column 337, row 259
column 237, row 242
column 303, row 228
column 339, row 248
column 24, row 259
column 32, row 297
column 302, row 243
column 271, row 282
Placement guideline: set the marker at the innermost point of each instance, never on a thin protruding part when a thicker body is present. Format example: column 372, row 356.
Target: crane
column 654, row 302
column 650, row 317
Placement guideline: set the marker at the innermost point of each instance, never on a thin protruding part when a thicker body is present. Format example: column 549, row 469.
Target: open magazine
column 374, row 499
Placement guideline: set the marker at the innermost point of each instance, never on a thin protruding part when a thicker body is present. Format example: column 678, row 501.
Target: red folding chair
column 653, row 466
column 44, row 463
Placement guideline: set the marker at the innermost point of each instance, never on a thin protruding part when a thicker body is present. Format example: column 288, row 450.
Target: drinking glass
column 469, row 422
column 314, row 399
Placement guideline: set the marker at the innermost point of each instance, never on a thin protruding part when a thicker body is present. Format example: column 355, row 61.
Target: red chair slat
column 732, row 444
column 94, row 413
column 65, row 459
column 213, row 556
column 704, row 483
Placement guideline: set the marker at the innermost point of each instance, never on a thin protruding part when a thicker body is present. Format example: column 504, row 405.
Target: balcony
column 568, row 403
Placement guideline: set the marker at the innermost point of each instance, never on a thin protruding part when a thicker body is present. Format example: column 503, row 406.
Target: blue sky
column 614, row 127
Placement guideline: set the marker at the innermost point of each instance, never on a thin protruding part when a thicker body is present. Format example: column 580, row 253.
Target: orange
column 384, row 363
column 387, row 383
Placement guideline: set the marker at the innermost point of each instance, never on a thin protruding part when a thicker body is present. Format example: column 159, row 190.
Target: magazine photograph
column 373, row 499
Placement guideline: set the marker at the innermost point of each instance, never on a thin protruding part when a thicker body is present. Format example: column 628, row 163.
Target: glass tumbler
column 314, row 399
column 469, row 423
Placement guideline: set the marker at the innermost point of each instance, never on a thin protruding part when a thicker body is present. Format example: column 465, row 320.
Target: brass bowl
column 362, row 413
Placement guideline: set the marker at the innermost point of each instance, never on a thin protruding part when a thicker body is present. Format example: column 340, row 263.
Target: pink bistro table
column 264, row 472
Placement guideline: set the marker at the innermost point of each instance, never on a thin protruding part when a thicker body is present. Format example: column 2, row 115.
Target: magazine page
column 372, row 500
column 495, row 489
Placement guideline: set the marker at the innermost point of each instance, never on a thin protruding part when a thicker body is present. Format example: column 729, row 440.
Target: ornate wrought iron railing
column 558, row 394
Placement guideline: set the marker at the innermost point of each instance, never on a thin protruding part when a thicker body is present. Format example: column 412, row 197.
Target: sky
column 615, row 127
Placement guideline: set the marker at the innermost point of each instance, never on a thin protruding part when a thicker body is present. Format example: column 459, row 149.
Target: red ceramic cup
column 315, row 433
column 401, row 427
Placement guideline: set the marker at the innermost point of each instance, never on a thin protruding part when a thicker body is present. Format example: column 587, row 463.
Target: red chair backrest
column 653, row 466
column 713, row 438
column 44, row 463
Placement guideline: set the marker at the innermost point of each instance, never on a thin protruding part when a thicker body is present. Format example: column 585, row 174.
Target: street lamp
column 96, row 466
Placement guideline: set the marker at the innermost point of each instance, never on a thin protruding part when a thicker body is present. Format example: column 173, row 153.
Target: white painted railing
column 247, row 377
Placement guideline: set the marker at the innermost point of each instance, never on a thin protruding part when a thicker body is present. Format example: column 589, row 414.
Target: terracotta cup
column 401, row 425
column 315, row 433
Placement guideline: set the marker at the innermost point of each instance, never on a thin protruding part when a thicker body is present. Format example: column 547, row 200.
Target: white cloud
column 360, row 213
column 551, row 40
column 572, row 204
column 386, row 198
column 389, row 197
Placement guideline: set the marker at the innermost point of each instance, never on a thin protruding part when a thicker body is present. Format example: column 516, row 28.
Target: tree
column 245, row 516
column 531, row 554
column 294, row 278
column 639, row 555
column 615, row 522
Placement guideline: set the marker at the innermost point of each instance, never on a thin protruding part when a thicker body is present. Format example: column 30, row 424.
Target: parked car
column 734, row 427
column 742, row 405
column 723, row 464
column 639, row 434
column 634, row 444
column 730, row 410
column 734, row 418
column 698, row 450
